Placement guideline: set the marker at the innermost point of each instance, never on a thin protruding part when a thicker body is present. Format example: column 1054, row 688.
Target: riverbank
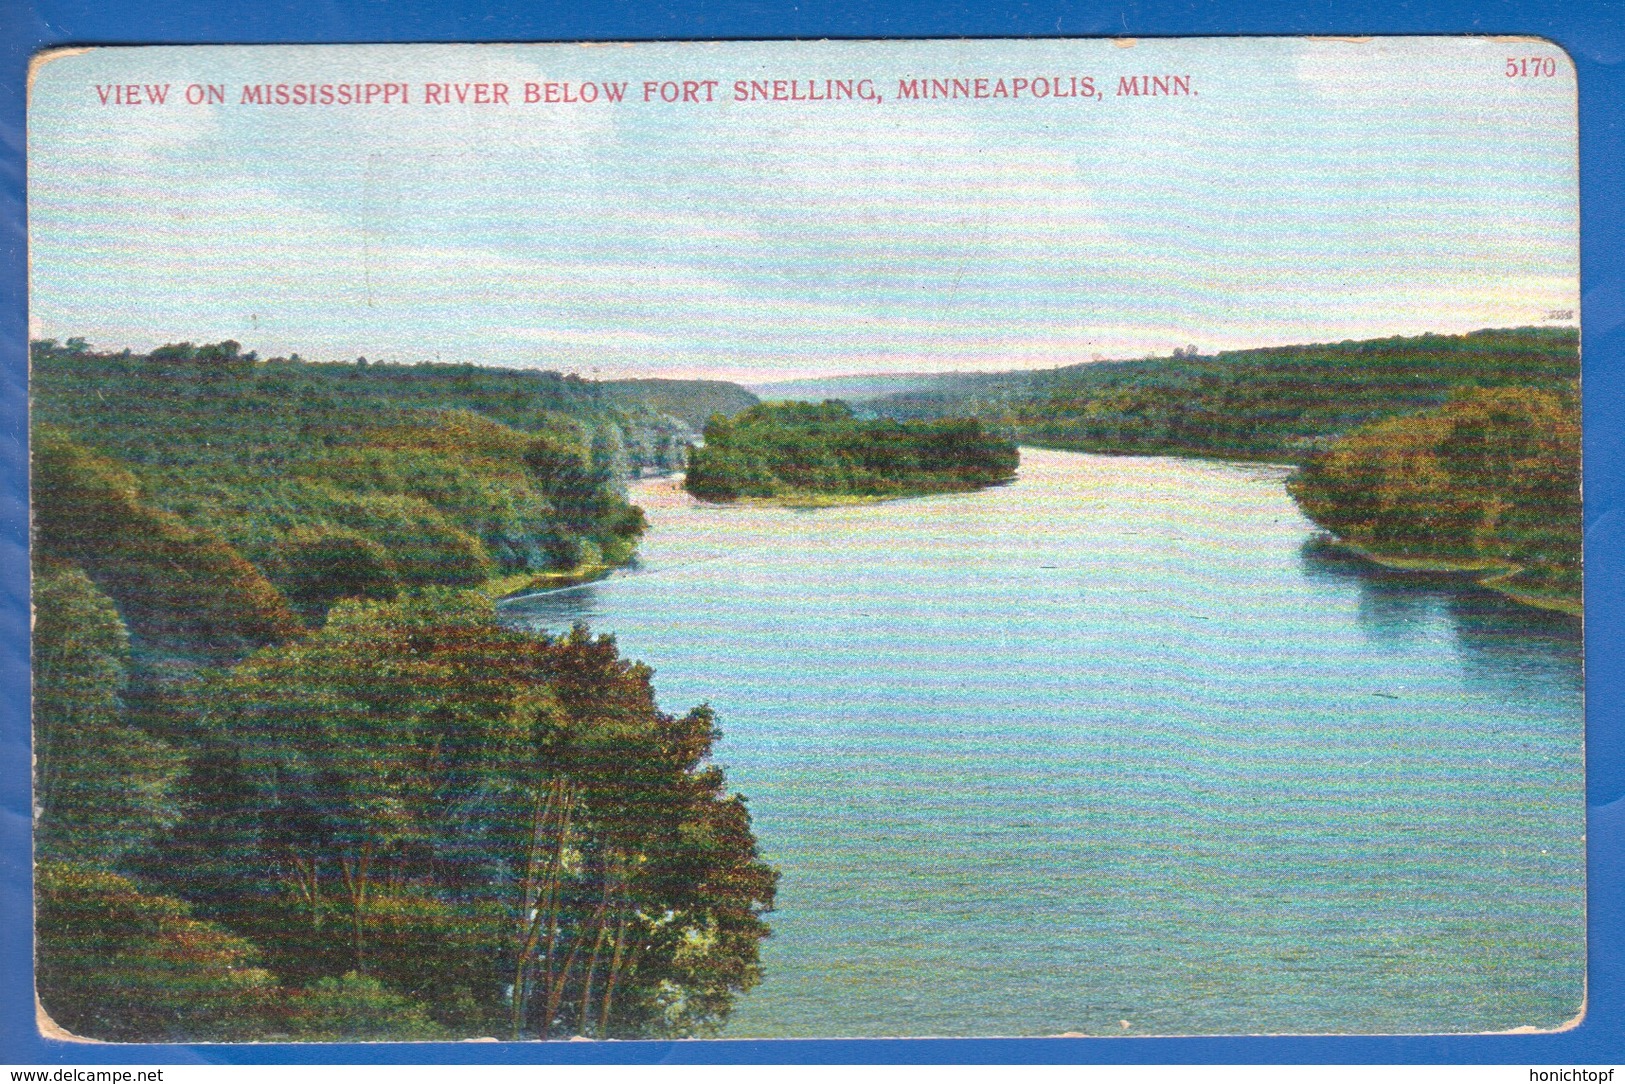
column 1498, row 576
column 1274, row 457
column 528, row 583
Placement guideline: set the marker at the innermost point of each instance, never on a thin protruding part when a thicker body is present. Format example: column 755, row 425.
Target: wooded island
column 800, row 452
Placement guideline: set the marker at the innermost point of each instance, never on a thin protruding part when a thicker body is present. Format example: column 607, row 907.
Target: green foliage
column 355, row 1008
column 786, row 449
column 1492, row 475
column 249, row 415
column 422, row 545
column 186, row 365
column 120, row 964
column 639, row 874
column 172, row 582
column 398, row 476
column 325, row 564
column 1279, row 403
column 430, row 948
column 101, row 785
column 361, row 802
column 457, row 809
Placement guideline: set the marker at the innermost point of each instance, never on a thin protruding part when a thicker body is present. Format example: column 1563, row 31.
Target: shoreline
column 1268, row 459
column 1494, row 575
column 804, row 499
column 1484, row 572
column 504, row 588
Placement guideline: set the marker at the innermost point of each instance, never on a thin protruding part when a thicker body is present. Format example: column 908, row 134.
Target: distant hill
column 851, row 389
column 690, row 401
column 1277, row 402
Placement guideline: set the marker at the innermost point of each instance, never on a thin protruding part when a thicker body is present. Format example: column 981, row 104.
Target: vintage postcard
column 807, row 539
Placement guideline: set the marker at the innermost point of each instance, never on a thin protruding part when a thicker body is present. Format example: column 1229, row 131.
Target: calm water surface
column 1114, row 749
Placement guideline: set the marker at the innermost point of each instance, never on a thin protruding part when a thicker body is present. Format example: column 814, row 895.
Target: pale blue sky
column 1309, row 191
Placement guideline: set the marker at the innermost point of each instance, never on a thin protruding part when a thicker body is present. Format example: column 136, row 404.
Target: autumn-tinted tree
column 322, row 565
column 171, row 582
column 1492, row 475
column 666, row 875
column 446, row 805
column 355, row 1008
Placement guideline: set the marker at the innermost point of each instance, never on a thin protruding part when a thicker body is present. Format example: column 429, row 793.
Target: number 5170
column 1523, row 67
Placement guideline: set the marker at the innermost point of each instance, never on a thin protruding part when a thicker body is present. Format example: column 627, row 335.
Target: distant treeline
column 1281, row 403
column 795, row 450
column 1455, row 448
column 292, row 777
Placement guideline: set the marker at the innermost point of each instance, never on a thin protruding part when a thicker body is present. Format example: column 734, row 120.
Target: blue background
column 1594, row 35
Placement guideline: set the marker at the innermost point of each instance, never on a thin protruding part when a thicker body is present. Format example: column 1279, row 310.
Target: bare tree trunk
column 549, row 913
column 555, row 994
column 530, row 916
column 613, row 977
column 583, row 1020
column 355, row 884
column 306, row 881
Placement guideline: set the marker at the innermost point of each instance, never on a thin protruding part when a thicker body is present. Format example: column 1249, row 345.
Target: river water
column 1116, row 749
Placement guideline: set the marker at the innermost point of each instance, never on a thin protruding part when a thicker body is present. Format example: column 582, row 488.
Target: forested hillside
column 346, row 479
column 1489, row 479
column 1279, row 403
column 293, row 779
column 853, row 388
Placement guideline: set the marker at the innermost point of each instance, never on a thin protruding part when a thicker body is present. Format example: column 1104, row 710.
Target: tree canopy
column 501, row 828
column 1492, row 475
column 792, row 449
column 294, row 780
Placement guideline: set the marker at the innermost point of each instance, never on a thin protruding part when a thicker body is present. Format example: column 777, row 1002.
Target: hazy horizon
column 755, row 383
